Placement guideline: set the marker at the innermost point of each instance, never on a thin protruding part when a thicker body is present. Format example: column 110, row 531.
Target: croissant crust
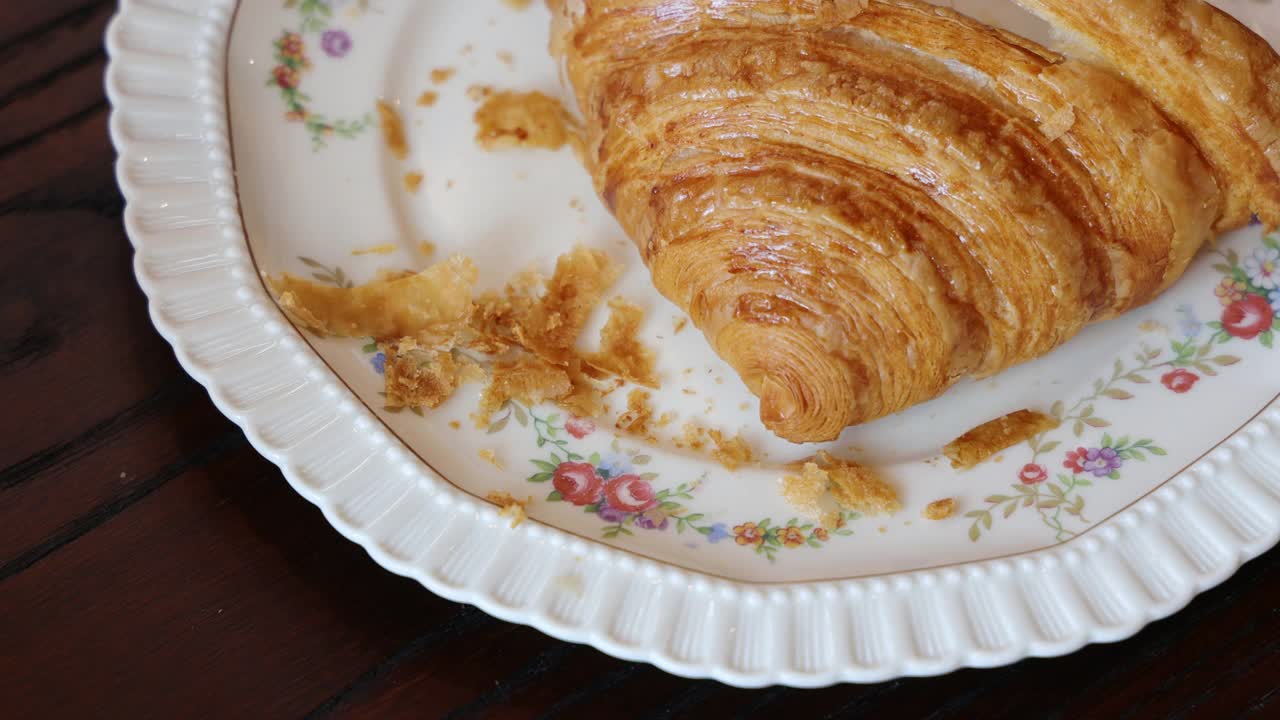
column 861, row 202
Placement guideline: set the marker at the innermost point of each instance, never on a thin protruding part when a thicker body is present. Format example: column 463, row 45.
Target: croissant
column 861, row 202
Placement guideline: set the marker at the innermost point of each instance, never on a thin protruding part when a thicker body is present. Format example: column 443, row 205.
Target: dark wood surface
column 151, row 564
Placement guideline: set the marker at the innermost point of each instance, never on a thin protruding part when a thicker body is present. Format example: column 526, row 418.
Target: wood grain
column 152, row 565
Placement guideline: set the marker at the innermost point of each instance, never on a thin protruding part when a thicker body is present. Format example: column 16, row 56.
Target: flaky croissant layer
column 860, row 202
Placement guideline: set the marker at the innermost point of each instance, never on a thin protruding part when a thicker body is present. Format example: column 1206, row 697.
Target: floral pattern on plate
column 612, row 486
column 1249, row 300
column 293, row 62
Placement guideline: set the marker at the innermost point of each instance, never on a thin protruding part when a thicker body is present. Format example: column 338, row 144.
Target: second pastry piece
column 855, row 225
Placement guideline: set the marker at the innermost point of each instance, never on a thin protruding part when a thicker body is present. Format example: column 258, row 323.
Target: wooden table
column 151, row 564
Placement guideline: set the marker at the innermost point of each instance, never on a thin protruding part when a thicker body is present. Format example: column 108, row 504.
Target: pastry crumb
column 804, row 493
column 421, row 378
column 440, row 76
column 455, row 424
column 479, row 92
column 392, row 130
column 680, row 324
column 665, row 419
column 506, row 58
column 517, row 4
column 511, row 119
column 383, row 249
column 940, row 509
column 636, row 419
column 509, row 507
column 621, row 352
column 528, row 379
column 856, row 487
column 413, row 181
column 694, row 437
column 492, row 458
column 427, row 248
column 731, row 452
column 984, row 441
column 428, row 98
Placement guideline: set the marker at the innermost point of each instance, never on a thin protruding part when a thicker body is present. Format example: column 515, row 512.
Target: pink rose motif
column 579, row 427
column 631, row 493
column 1180, row 381
column 577, row 483
column 1248, row 318
column 1033, row 474
column 286, row 77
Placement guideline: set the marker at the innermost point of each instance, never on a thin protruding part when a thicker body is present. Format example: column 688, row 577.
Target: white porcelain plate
column 249, row 143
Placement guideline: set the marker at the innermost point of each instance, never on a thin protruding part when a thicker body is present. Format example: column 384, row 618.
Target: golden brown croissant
column 861, row 202
column 1213, row 76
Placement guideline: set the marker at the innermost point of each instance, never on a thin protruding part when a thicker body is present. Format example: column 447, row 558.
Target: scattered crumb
column 883, row 529
column 528, row 379
column 479, row 92
column 940, row 509
column 575, row 203
column 421, row 378
column 427, row 248
column 621, row 352
column 517, row 4
column 745, row 406
column 466, row 49
column 552, row 326
column 509, row 507
column 665, row 419
column 440, row 76
column 688, row 371
column 719, row 380
column 412, row 181
column 689, row 391
column 455, row 424
column 998, row 459
column 636, row 419
column 392, row 130
column 492, row 458
column 428, row 98
column 857, row 488
column 987, row 439
column 448, row 184
column 506, row 58
column 804, row 492
column 731, row 452
column 695, row 437
column 680, row 324
column 510, row 119
column 383, row 249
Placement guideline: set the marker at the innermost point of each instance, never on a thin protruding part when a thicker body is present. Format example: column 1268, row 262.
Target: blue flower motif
column 719, row 531
column 379, row 362
column 1274, row 298
column 614, row 464
column 1190, row 325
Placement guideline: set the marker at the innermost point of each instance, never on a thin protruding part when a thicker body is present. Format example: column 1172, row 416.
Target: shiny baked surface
column 860, row 203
